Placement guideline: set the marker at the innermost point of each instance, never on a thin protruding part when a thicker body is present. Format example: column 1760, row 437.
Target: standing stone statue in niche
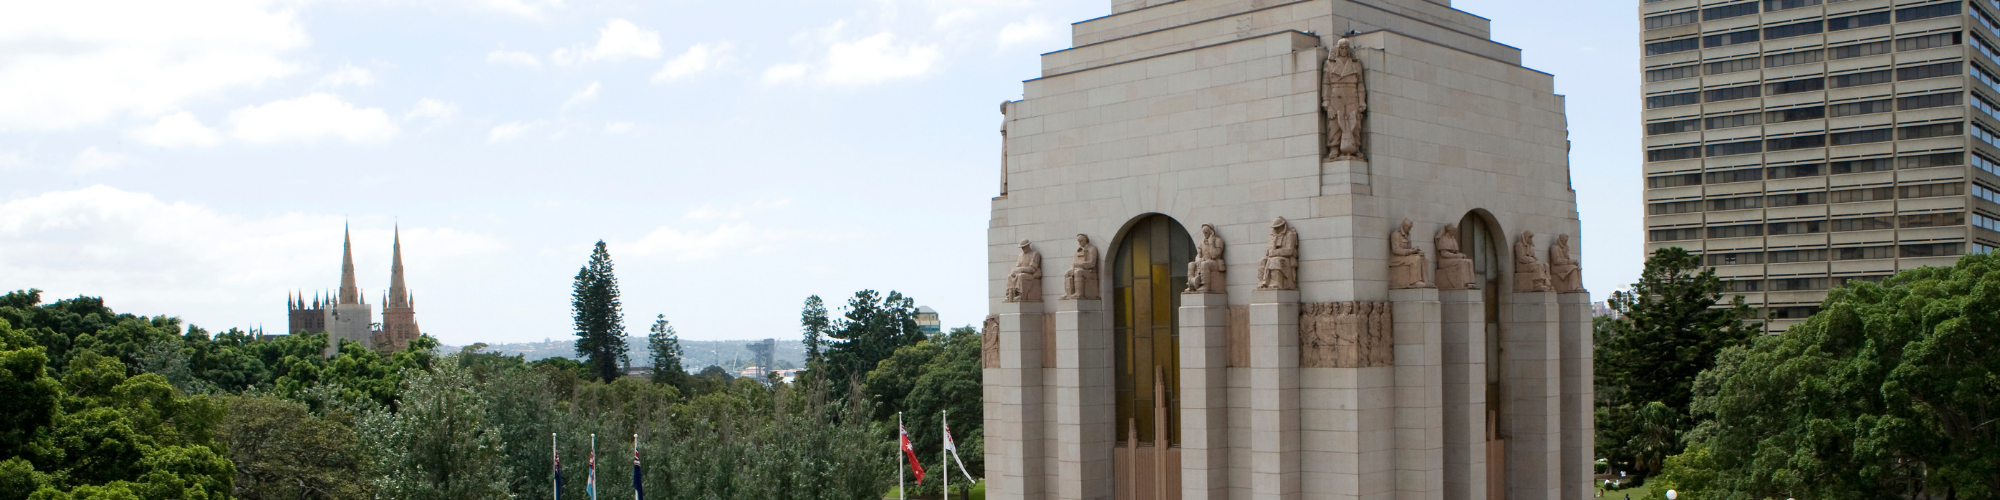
column 1530, row 274
column 1080, row 283
column 1407, row 265
column 989, row 342
column 1566, row 275
column 1024, row 283
column 1280, row 269
column 1003, row 148
column 1205, row 273
column 1455, row 271
column 1345, row 99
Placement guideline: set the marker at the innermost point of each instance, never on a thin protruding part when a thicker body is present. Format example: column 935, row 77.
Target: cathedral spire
column 349, row 293
column 399, row 296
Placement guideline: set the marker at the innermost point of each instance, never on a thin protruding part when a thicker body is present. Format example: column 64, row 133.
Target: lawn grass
column 1637, row 492
column 978, row 492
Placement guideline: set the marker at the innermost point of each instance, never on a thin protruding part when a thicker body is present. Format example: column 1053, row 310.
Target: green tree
column 871, row 331
column 599, row 317
column 665, row 345
column 284, row 450
column 948, row 383
column 817, row 327
column 1670, row 327
column 438, row 444
column 1889, row 392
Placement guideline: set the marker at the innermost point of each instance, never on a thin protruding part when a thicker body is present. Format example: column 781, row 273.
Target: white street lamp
column 1671, row 494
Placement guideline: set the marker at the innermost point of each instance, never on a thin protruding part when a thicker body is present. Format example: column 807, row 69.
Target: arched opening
column 1483, row 241
column 1149, row 271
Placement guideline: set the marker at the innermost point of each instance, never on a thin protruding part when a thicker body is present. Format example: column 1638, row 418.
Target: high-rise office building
column 1802, row 144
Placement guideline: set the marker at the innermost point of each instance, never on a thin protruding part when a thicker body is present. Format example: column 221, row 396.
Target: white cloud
column 507, row 132
column 615, row 128
column 310, row 118
column 582, row 96
column 348, row 74
column 617, row 41
column 176, row 130
column 694, row 245
column 701, row 57
column 877, row 58
column 1029, row 30
column 783, row 73
column 522, row 59
column 431, row 109
column 75, row 63
column 525, row 8
column 12, row 161
column 94, row 160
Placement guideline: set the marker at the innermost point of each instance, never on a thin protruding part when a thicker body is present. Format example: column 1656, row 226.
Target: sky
column 201, row 159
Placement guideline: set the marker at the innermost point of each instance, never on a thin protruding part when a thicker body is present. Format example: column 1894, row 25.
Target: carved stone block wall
column 1346, row 335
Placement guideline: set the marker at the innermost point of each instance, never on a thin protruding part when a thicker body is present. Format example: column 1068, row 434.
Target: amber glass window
column 1150, row 272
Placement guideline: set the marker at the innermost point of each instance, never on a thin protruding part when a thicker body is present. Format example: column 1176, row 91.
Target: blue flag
column 638, row 488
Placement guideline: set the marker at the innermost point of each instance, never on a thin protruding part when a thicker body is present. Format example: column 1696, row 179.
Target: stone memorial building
column 1268, row 249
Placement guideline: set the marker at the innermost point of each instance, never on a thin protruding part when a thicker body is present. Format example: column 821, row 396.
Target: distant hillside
column 729, row 354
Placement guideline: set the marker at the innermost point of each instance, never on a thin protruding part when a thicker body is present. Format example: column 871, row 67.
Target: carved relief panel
column 1346, row 335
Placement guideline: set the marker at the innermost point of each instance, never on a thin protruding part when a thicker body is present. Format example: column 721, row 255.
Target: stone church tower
column 344, row 315
column 1338, row 260
column 399, row 314
column 348, row 318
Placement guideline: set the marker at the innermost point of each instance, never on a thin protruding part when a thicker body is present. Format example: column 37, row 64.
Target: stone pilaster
column 1274, row 395
column 1579, row 427
column 1464, row 388
column 1204, row 396
column 1022, row 430
column 1085, row 404
column 1418, row 317
column 1532, row 373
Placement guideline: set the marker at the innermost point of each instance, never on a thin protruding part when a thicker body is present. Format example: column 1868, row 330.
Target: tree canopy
column 599, row 317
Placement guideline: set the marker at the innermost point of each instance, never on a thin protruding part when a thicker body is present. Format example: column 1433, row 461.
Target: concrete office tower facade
column 1268, row 249
column 1802, row 144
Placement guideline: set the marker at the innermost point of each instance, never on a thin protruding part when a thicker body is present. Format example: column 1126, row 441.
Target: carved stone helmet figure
column 1024, row 282
column 1454, row 270
column 1566, row 275
column 989, row 342
column 1530, row 274
column 1080, row 283
column 1345, row 99
column 1205, row 273
column 1280, row 268
column 1407, row 266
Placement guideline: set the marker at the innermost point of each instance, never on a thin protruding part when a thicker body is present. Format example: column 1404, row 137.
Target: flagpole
column 900, row 485
column 638, row 489
column 944, row 424
column 555, row 480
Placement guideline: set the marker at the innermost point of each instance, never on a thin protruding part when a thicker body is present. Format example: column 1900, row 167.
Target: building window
column 1729, row 11
column 1927, row 11
column 1859, row 166
column 1731, row 66
column 1927, row 101
column 1733, row 121
column 1795, row 114
column 1857, row 21
column 1797, row 199
column 1933, row 250
column 1980, row 103
column 1798, row 227
column 1863, row 194
column 1931, row 130
column 1725, row 204
column 1983, row 20
column 1728, row 176
column 1863, row 253
column 1796, row 312
column 1983, row 222
column 1673, row 127
column 1859, row 79
column 1797, row 142
column 1985, row 193
column 1790, row 171
column 1730, row 38
column 1671, row 154
column 1931, row 160
column 1690, row 233
column 1791, row 59
column 1790, row 256
column 1673, row 73
column 1771, row 5
column 1731, row 93
column 1980, row 132
column 1671, row 100
column 1736, row 258
column 1931, row 190
column 1929, row 71
column 1980, row 73
column 1931, row 220
column 1667, row 181
column 1672, row 46
column 1989, row 166
column 1862, row 224
column 1981, row 249
column 1794, row 29
column 1740, row 286
column 1860, row 108
column 1798, row 284
column 1736, row 231
column 1671, row 208
column 1863, row 137
column 1928, row 41
column 1796, row 86
column 1858, row 50
column 1672, row 20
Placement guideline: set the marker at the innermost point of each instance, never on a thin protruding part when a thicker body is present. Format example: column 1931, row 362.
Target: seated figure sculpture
column 1407, row 265
column 1080, row 283
column 1530, row 274
column 1205, row 273
column 1280, row 268
column 1566, row 275
column 1455, row 270
column 1024, row 283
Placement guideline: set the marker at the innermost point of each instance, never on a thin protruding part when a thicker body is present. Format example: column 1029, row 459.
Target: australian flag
column 557, row 458
column 638, row 489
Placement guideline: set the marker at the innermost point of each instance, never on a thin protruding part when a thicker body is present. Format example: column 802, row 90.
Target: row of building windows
column 1805, row 56
column 1985, row 193
column 1983, row 222
column 1826, row 254
column 1807, row 84
column 1776, row 32
column 1814, row 141
column 1979, row 249
column 1811, row 198
column 1816, row 169
column 1917, row 221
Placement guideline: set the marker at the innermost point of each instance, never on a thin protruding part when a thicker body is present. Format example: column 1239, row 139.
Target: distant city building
column 1601, row 309
column 927, row 321
column 346, row 316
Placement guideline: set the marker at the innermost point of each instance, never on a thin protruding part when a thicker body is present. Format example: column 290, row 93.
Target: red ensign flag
column 912, row 454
